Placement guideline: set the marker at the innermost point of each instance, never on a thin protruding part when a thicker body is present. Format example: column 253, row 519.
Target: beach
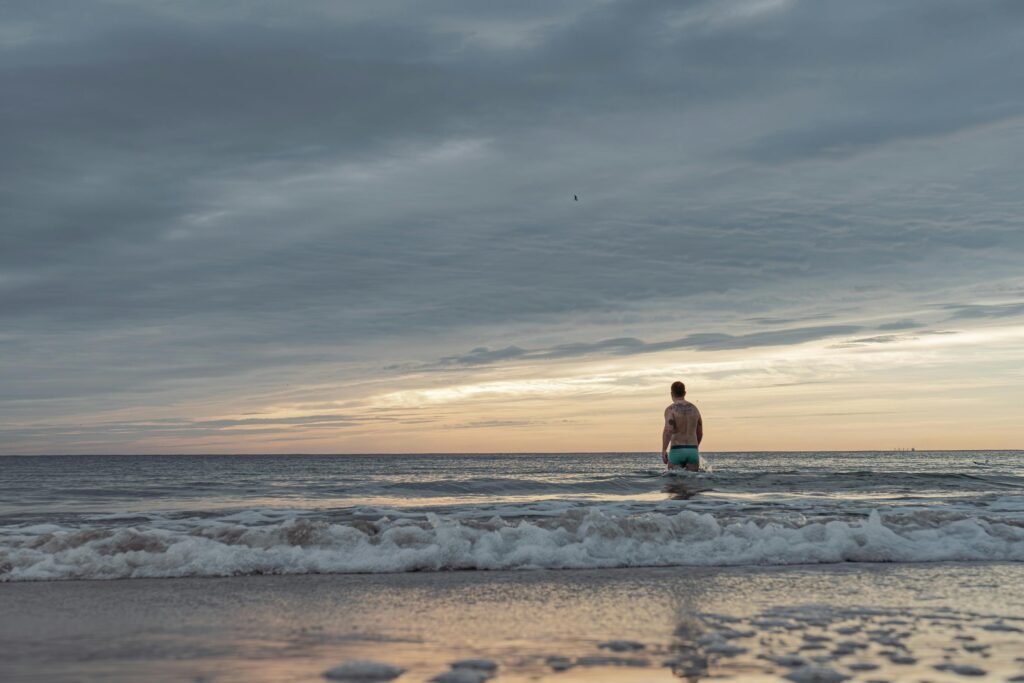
column 547, row 567
column 635, row 624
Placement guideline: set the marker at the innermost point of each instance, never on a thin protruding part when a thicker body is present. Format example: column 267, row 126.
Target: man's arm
column 700, row 429
column 666, row 435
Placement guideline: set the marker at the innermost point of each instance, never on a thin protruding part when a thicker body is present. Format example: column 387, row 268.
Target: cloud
column 974, row 311
column 482, row 356
column 212, row 201
column 718, row 342
column 904, row 324
column 891, row 338
column 629, row 346
column 788, row 321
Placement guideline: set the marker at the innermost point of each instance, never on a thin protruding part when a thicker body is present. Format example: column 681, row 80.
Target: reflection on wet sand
column 688, row 660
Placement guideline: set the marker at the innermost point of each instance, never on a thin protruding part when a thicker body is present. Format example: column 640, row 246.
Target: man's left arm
column 700, row 428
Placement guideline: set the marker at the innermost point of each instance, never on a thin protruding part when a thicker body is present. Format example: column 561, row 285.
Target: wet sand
column 935, row 622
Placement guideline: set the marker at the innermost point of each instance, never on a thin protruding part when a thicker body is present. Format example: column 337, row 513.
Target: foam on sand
column 815, row 674
column 461, row 676
column 363, row 671
column 487, row 666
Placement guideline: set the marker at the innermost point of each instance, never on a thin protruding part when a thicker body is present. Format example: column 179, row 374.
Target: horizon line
column 486, row 453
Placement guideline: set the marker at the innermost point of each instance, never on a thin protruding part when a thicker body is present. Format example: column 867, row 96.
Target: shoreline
column 853, row 565
column 293, row 628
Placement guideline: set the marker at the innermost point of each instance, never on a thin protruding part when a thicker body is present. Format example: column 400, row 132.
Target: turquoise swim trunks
column 681, row 456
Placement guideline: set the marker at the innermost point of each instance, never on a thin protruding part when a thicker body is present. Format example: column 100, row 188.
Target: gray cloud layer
column 1008, row 310
column 195, row 191
column 628, row 346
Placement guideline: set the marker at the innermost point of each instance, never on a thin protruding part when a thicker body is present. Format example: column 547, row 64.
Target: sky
column 322, row 227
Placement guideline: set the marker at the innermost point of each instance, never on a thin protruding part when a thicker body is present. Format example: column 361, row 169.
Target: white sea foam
column 363, row 671
column 589, row 537
column 488, row 666
column 816, row 674
column 461, row 676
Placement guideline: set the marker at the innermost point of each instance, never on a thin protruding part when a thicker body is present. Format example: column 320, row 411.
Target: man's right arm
column 666, row 435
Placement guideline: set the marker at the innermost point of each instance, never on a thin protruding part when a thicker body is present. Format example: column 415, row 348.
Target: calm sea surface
column 100, row 517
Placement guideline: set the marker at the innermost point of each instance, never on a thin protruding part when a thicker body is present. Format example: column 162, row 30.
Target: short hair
column 678, row 389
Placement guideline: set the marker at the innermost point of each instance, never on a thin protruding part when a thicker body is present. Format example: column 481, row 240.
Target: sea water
column 109, row 517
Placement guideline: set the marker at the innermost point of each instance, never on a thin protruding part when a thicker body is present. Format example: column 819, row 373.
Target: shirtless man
column 684, row 430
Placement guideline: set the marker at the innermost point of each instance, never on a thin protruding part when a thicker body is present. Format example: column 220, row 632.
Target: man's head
column 678, row 390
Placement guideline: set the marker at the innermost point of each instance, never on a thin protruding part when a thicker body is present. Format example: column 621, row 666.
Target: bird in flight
column 575, row 198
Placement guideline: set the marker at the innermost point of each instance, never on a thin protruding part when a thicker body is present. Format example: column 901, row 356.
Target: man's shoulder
column 687, row 407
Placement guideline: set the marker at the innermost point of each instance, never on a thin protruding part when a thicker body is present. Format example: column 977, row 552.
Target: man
column 684, row 430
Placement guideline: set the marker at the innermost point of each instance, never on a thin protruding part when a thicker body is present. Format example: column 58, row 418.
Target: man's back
column 683, row 418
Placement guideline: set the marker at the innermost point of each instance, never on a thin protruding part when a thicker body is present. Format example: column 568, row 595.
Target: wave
column 512, row 486
column 583, row 537
column 399, row 486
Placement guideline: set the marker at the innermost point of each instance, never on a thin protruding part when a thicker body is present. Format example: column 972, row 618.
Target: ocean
column 130, row 517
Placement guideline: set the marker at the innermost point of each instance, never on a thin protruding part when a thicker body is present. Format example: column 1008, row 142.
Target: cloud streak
column 630, row 346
